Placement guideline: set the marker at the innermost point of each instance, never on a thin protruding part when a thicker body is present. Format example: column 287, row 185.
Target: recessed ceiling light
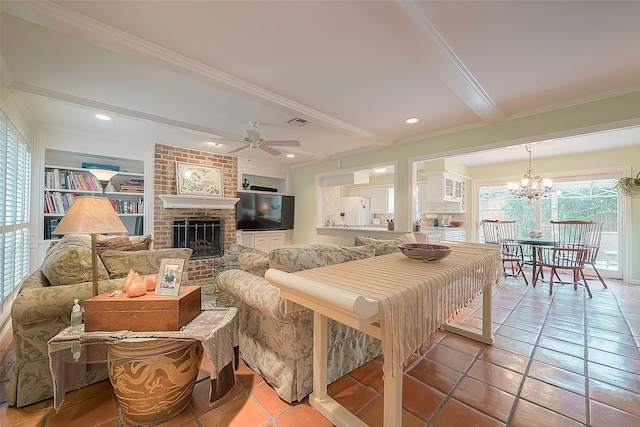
column 380, row 170
column 216, row 143
column 290, row 155
column 412, row 120
column 102, row 117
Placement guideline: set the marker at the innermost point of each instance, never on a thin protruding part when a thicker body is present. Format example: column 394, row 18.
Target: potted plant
column 629, row 186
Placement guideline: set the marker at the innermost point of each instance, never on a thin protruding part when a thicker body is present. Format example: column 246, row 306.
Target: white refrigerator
column 355, row 211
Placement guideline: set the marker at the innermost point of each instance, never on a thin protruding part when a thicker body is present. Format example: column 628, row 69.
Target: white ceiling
column 186, row 72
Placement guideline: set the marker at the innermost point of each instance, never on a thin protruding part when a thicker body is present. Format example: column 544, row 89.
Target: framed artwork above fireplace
column 196, row 180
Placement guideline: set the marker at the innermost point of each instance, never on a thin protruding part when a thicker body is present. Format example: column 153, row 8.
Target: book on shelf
column 54, row 179
column 132, row 186
column 123, row 206
column 139, row 229
column 58, row 203
column 50, row 225
column 70, row 180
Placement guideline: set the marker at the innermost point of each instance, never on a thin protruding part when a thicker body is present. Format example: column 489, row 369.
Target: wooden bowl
column 457, row 223
column 424, row 251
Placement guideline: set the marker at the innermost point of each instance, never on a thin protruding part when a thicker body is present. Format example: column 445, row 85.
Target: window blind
column 15, row 169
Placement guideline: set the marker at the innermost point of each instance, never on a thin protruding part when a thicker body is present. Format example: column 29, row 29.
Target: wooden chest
column 149, row 312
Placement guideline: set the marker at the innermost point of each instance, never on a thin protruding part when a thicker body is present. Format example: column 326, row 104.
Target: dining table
column 394, row 298
column 534, row 243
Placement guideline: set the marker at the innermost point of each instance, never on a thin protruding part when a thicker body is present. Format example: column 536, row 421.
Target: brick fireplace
column 166, row 157
column 204, row 236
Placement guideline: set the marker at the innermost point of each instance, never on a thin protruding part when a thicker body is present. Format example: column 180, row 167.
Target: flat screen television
column 259, row 211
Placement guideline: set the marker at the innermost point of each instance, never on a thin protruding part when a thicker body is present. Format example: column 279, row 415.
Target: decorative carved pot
column 153, row 379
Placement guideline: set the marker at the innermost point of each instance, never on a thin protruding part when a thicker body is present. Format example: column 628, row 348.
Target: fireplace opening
column 204, row 236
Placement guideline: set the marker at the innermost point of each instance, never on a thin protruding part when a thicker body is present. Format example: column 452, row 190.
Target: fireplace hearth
column 204, row 236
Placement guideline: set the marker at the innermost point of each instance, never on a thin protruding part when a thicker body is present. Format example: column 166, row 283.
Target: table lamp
column 91, row 215
column 104, row 176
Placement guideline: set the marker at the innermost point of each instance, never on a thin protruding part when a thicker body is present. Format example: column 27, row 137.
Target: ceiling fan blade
column 283, row 142
column 239, row 149
column 269, row 150
column 235, row 141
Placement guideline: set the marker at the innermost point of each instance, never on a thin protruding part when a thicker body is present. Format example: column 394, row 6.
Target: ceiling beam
column 448, row 66
column 92, row 31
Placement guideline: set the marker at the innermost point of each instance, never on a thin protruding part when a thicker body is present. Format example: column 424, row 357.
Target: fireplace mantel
column 202, row 202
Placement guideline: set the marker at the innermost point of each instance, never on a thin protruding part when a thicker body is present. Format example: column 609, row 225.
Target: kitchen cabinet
column 444, row 192
column 428, row 206
column 379, row 197
column 432, row 238
column 262, row 240
column 454, row 235
column 446, row 186
column 437, row 234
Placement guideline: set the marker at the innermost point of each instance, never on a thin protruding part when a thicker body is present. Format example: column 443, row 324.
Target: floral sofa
column 42, row 308
column 279, row 345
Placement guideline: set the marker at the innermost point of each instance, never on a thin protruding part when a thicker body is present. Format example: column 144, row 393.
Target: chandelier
column 532, row 186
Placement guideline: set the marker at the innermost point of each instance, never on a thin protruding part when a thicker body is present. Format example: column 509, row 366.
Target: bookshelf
column 65, row 178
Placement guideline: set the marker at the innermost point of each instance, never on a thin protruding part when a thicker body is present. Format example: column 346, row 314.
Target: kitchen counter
column 439, row 228
column 361, row 227
column 375, row 231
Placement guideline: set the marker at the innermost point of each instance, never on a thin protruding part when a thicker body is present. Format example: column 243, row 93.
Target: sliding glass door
column 584, row 198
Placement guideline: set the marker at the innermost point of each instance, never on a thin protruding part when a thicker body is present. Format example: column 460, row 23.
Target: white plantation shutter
column 15, row 167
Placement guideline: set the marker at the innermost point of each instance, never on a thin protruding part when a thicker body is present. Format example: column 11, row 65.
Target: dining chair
column 503, row 233
column 592, row 241
column 569, row 252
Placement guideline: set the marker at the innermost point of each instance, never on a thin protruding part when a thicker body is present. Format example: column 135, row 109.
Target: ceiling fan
column 254, row 140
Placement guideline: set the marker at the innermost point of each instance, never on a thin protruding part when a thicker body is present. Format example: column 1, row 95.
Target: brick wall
column 164, row 182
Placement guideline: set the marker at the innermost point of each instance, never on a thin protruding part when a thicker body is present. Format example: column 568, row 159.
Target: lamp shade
column 103, row 174
column 90, row 215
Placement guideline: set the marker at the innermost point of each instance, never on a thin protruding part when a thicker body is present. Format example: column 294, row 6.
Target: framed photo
column 169, row 277
column 196, row 180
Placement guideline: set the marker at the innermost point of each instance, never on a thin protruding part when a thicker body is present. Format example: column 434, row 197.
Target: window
column 15, row 167
column 584, row 199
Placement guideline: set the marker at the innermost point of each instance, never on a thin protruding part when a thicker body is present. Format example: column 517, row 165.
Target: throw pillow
column 253, row 263
column 302, row 257
column 242, row 248
column 140, row 243
column 83, row 240
column 118, row 263
column 123, row 243
column 69, row 261
column 384, row 247
column 119, row 243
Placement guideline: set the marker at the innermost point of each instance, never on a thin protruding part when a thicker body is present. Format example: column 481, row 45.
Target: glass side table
column 152, row 373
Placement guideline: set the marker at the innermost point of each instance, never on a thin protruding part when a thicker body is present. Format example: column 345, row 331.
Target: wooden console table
column 396, row 299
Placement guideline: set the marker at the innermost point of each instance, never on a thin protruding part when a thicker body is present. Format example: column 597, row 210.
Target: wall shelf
column 202, row 202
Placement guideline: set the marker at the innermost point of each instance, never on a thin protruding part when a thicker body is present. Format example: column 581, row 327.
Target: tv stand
column 262, row 240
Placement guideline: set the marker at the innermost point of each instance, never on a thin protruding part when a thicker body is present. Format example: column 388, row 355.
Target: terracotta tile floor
column 564, row 360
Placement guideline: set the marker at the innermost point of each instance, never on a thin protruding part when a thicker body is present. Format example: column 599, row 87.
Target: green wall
column 610, row 113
